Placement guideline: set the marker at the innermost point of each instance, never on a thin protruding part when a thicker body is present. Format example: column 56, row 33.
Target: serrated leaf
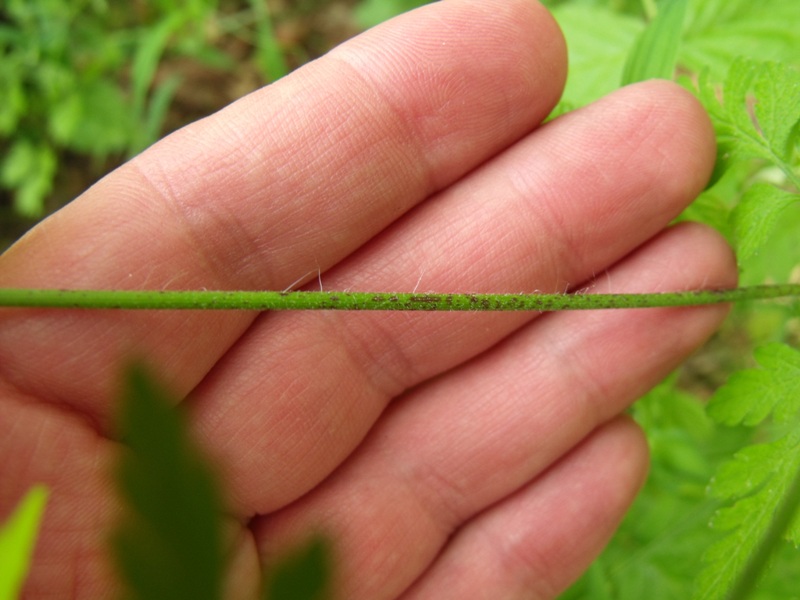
column 302, row 575
column 655, row 51
column 772, row 469
column 168, row 543
column 756, row 216
column 758, row 112
column 753, row 394
column 18, row 539
column 760, row 479
column 777, row 93
column 742, row 476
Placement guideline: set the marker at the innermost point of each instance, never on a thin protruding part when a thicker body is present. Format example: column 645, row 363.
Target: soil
column 304, row 29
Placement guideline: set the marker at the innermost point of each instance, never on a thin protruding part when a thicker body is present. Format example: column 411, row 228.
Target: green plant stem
column 298, row 300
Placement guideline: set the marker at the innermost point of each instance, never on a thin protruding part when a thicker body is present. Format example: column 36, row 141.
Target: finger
column 561, row 205
column 466, row 440
column 538, row 541
column 41, row 445
column 285, row 182
column 72, row 554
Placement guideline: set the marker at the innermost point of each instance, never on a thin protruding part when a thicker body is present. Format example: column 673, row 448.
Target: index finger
column 284, row 182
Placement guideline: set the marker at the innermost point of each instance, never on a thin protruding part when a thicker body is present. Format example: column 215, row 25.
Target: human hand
column 447, row 455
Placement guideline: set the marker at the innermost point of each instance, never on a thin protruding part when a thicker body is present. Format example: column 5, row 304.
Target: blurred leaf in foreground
column 301, row 575
column 168, row 544
column 17, row 541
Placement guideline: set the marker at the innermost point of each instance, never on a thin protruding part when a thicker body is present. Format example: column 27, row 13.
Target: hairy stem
column 403, row 301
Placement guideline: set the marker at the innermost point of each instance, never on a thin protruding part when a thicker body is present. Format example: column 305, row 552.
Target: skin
column 449, row 455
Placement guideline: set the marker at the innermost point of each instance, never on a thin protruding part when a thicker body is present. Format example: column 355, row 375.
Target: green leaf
column 655, row 51
column 598, row 42
column 719, row 31
column 761, row 479
column 777, row 109
column 756, row 217
column 156, row 114
column 269, row 54
column 168, row 544
column 28, row 169
column 152, row 45
column 656, row 551
column 372, row 12
column 751, row 395
column 757, row 114
column 65, row 116
column 14, row 103
column 93, row 118
column 17, row 541
column 302, row 575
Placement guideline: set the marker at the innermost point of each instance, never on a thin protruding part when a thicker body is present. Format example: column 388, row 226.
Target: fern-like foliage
column 769, row 131
column 755, row 217
column 756, row 115
column 742, row 59
column 759, row 478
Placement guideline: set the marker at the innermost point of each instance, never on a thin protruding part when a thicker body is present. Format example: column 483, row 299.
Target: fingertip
column 714, row 258
column 630, row 446
column 680, row 125
column 537, row 542
column 588, row 493
column 511, row 48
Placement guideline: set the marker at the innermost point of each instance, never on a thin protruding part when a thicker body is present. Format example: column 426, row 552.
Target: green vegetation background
column 88, row 83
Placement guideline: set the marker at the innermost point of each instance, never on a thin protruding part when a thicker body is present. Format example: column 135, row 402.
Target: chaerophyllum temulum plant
column 731, row 461
column 723, row 491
